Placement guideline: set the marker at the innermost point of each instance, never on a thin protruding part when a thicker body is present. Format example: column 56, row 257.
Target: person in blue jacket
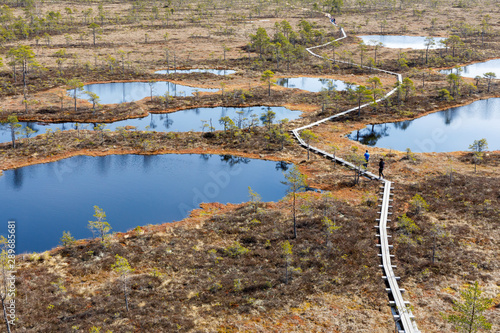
column 367, row 158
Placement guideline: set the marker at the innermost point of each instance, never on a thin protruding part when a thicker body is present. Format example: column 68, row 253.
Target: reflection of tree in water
column 123, row 160
column 327, row 83
column 369, row 136
column 232, row 160
column 103, row 164
column 448, row 115
column 283, row 82
column 332, row 86
column 32, row 126
column 152, row 124
column 240, row 118
column 205, row 157
column 403, row 125
column 282, row 165
column 246, row 111
column 167, row 122
column 17, row 178
column 146, row 161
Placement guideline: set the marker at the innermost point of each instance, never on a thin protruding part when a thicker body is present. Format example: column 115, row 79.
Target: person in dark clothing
column 381, row 166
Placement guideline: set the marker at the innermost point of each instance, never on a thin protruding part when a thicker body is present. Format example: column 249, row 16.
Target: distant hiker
column 334, row 22
column 367, row 158
column 381, row 166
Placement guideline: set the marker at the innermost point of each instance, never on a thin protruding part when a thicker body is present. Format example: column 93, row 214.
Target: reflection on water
column 17, row 179
column 180, row 121
column 47, row 199
column 312, row 84
column 478, row 69
column 402, row 42
column 283, row 166
column 197, row 70
column 122, row 92
column 450, row 130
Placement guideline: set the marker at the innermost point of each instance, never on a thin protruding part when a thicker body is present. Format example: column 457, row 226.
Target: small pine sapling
column 123, row 268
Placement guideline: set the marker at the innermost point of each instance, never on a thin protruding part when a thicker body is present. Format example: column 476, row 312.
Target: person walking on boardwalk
column 367, row 158
column 381, row 166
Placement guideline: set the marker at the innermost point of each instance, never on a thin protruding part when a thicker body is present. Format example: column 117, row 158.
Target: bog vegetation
column 306, row 263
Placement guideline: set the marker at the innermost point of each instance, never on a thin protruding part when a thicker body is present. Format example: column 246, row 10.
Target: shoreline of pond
column 122, row 151
column 359, row 126
column 119, row 151
column 197, row 217
column 57, row 120
column 304, row 108
column 474, row 62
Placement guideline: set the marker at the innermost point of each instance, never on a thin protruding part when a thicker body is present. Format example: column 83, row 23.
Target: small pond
column 123, row 92
column 401, row 42
column 312, row 84
column 180, row 121
column 197, row 70
column 445, row 131
column 47, row 199
column 479, row 68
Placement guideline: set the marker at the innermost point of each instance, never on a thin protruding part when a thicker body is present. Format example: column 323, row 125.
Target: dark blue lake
column 47, row 199
column 312, row 84
column 180, row 121
column 445, row 131
column 401, row 42
column 479, row 68
column 197, row 70
column 123, row 92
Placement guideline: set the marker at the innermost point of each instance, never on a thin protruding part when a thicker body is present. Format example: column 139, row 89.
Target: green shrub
column 236, row 250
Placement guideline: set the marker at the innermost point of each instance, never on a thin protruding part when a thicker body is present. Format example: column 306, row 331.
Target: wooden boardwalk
column 402, row 314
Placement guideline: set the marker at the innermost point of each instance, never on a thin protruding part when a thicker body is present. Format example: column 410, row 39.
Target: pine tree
column 255, row 198
column 122, row 267
column 66, row 239
column 100, row 225
column 267, row 76
column 13, row 125
column 330, row 227
column 477, row 147
column 468, row 316
column 295, row 182
column 309, row 136
column 419, row 204
column 75, row 85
